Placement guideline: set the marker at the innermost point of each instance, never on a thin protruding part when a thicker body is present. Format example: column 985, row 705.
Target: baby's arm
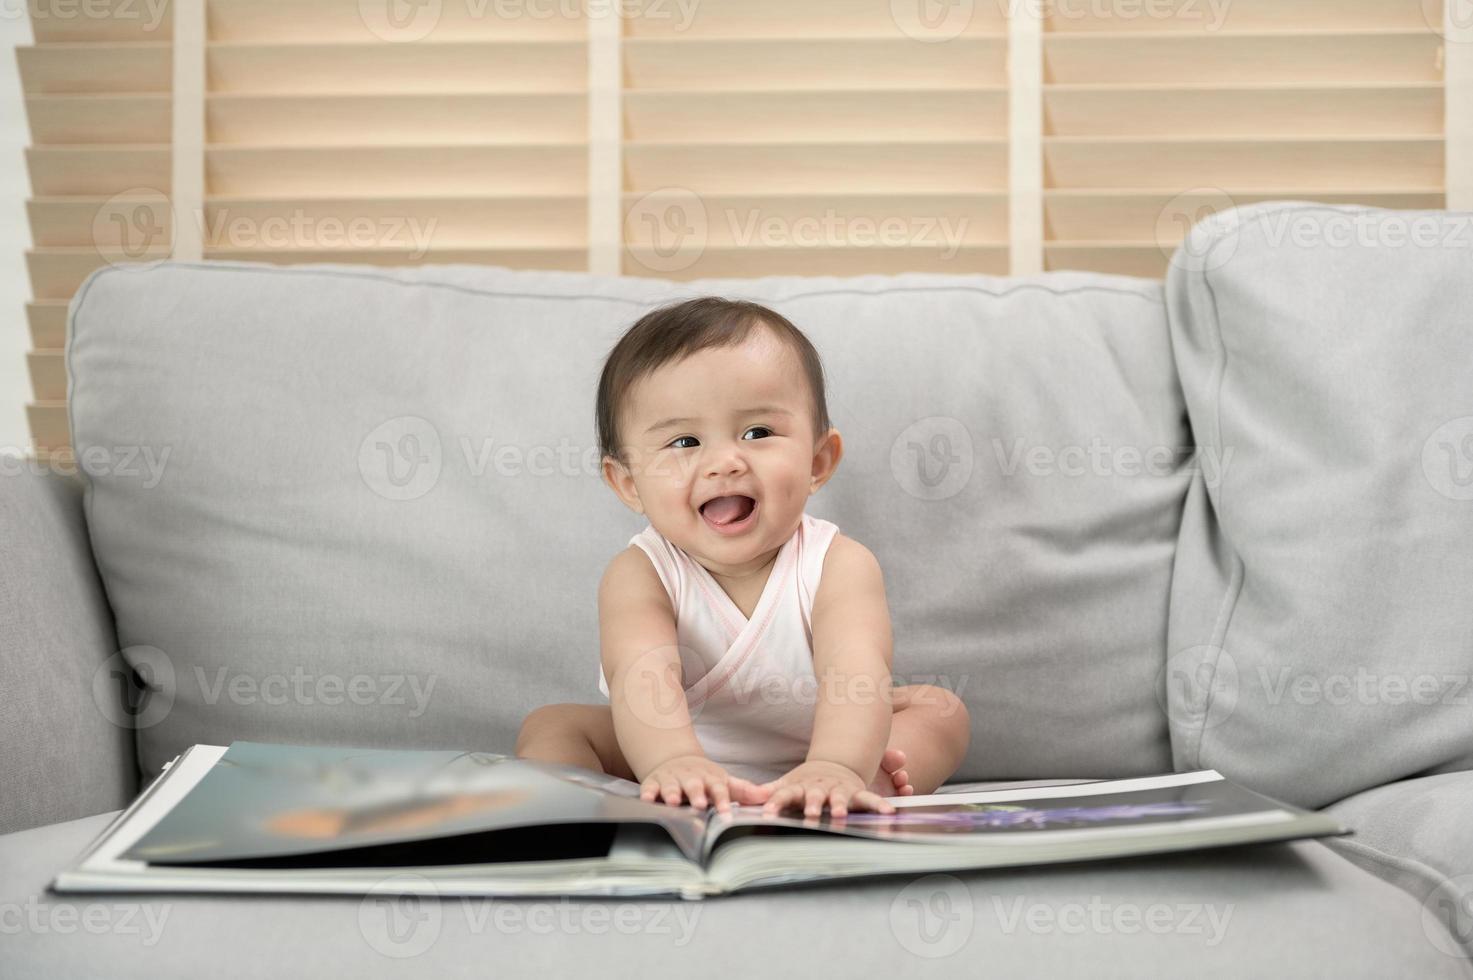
column 641, row 662
column 852, row 646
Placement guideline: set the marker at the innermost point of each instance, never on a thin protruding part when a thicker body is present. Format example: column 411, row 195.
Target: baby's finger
column 813, row 801
column 839, row 802
column 746, row 791
column 649, row 789
column 872, row 801
column 670, row 789
column 695, row 791
column 720, row 796
column 782, row 796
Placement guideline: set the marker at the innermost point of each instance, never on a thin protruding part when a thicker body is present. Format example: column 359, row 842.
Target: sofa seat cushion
column 1418, row 834
column 1277, row 910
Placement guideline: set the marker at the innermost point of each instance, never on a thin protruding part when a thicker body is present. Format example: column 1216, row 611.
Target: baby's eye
column 674, row 443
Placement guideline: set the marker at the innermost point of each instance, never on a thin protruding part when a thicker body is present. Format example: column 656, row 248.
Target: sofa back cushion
column 375, row 515
column 1321, row 635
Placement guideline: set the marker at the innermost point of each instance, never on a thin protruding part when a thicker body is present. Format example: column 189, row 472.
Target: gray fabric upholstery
column 1011, row 457
column 63, row 754
column 1418, row 835
column 1282, row 910
column 1321, row 637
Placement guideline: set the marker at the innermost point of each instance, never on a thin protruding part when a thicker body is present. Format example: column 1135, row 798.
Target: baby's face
column 745, row 428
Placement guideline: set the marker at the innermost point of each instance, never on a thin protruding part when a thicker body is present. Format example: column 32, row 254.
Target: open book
column 287, row 818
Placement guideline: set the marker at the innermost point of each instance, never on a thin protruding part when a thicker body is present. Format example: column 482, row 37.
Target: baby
column 745, row 644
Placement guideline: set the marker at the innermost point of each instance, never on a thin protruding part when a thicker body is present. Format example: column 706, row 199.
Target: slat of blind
column 99, row 118
column 128, row 21
column 58, row 68
column 460, row 67
column 843, row 260
column 1302, row 57
column 442, row 118
column 833, row 63
column 571, row 259
column 1369, row 164
column 1145, row 259
column 396, row 170
column 925, row 114
column 733, row 220
column 369, row 22
column 48, row 423
column 506, row 222
column 785, row 18
column 826, row 167
column 1379, row 109
column 47, row 319
column 116, row 223
column 1095, row 215
column 82, row 169
column 48, row 374
column 55, row 273
column 1200, row 16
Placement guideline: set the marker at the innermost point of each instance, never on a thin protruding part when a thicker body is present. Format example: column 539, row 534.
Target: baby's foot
column 892, row 779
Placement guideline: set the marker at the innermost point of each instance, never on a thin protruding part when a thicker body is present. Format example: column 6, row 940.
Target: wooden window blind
column 1152, row 121
column 689, row 138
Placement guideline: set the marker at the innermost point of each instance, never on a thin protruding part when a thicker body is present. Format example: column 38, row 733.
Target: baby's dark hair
column 676, row 331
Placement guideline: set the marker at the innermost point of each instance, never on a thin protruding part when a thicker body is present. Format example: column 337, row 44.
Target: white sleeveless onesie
column 750, row 684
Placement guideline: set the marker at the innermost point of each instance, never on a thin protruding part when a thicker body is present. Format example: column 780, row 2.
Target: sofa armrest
column 63, row 757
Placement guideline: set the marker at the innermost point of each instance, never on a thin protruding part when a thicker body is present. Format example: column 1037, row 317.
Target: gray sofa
column 1224, row 520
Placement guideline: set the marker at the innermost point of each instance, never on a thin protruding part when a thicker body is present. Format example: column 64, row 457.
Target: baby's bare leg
column 573, row 734
column 932, row 728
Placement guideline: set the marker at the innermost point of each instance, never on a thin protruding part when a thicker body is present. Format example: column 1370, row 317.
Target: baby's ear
column 619, row 480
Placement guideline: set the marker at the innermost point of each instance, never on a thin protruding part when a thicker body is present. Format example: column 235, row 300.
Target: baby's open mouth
column 728, row 512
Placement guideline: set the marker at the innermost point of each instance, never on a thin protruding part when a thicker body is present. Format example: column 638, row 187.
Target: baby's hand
column 812, row 784
column 692, row 776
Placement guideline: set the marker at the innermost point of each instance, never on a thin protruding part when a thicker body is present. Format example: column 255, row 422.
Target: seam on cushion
column 1236, row 577
column 1239, row 571
column 376, row 277
column 74, row 310
column 1418, row 869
